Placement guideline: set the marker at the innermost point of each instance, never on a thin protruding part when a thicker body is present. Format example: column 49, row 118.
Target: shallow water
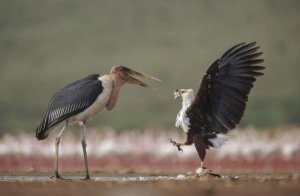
column 31, row 178
column 112, row 184
column 141, row 177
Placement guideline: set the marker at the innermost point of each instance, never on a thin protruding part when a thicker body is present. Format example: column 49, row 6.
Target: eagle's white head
column 184, row 94
column 187, row 96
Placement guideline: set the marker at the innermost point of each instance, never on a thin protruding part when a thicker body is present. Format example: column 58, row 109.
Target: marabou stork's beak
column 128, row 76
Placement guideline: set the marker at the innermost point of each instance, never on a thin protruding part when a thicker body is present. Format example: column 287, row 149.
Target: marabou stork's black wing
column 69, row 101
column 221, row 100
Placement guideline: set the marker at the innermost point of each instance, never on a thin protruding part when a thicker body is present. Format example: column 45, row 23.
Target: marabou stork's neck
column 187, row 99
column 117, row 83
column 121, row 75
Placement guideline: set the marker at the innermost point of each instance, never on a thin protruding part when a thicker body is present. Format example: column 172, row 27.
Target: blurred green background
column 46, row 44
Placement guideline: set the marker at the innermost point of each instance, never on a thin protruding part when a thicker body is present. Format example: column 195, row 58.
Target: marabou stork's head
column 125, row 75
column 184, row 93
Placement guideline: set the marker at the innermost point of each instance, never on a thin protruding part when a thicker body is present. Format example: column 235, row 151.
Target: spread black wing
column 69, row 101
column 221, row 100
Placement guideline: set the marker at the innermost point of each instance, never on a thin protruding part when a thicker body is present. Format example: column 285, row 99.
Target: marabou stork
column 221, row 100
column 82, row 99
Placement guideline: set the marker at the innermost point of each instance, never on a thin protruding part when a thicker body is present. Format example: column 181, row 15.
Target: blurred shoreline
column 150, row 151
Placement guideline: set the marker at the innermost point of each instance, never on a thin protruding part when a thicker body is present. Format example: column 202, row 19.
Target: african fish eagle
column 221, row 100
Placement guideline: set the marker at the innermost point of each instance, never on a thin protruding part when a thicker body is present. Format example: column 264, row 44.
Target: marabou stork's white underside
column 220, row 102
column 82, row 99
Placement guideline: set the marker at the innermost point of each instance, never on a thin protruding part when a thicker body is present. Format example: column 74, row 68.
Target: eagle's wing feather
column 221, row 100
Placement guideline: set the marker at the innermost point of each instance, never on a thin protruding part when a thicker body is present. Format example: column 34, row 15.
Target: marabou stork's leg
column 83, row 143
column 57, row 141
column 189, row 141
column 201, row 149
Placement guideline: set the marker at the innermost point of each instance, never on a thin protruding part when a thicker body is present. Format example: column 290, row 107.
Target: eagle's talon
column 179, row 148
column 177, row 145
column 173, row 142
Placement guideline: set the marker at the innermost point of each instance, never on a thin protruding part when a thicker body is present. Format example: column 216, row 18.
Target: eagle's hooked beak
column 128, row 76
column 176, row 94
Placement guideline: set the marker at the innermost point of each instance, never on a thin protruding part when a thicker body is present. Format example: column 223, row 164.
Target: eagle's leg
column 189, row 141
column 201, row 149
column 57, row 141
column 83, row 143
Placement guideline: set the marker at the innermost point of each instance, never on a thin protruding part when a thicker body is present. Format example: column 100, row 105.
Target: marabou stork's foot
column 177, row 145
column 204, row 172
column 87, row 177
column 57, row 176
